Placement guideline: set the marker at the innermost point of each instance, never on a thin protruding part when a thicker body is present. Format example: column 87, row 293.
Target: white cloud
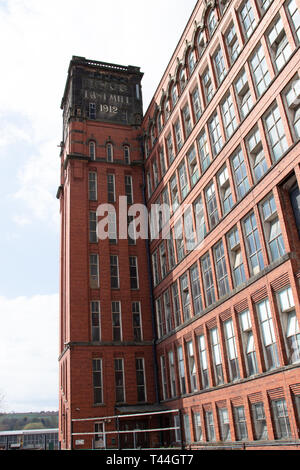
column 29, row 352
column 38, row 181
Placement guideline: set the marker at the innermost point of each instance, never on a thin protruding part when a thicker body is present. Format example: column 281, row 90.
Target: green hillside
column 18, row 421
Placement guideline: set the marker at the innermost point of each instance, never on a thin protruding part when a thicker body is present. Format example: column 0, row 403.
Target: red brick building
column 212, row 334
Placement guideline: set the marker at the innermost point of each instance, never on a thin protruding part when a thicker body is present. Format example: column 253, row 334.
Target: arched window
column 159, row 122
column 174, row 94
column 211, row 22
column 126, row 154
column 182, row 79
column 166, row 109
column 200, row 43
column 109, row 152
column 92, row 150
column 191, row 62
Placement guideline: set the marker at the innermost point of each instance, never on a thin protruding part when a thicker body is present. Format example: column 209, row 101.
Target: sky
column 38, row 39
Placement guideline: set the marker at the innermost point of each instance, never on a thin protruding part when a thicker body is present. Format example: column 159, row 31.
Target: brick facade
column 227, row 311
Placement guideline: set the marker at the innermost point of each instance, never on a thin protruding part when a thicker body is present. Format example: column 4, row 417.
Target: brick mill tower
column 106, row 332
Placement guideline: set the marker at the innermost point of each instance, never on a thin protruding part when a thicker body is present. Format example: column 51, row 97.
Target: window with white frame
column 290, row 324
column 95, row 320
column 232, row 44
column 155, row 173
column 187, row 430
column 192, row 366
column 163, row 377
column 260, row 70
column 211, row 22
column 133, row 271
column 215, row 134
column 196, row 104
column 176, row 304
column 182, row 79
column 292, row 99
column 111, row 190
column 174, row 95
column 224, row 424
column 240, row 423
column 240, row 174
column 128, row 189
column 92, row 186
column 259, row 421
column 281, row 419
column 137, row 321
column 162, row 161
column 268, row 335
column 168, row 311
column 243, row 94
column 159, row 319
column 272, row 228
column 163, row 259
column 189, row 233
column 171, row 251
column 166, row 108
column 185, row 297
column 275, row 132
column 294, row 16
column 219, row 64
column 109, row 152
column 183, row 179
column 199, row 219
column 92, row 150
column 201, row 43
column 196, row 289
column 264, row 4
column 197, row 427
column 126, row 151
column 116, row 321
column 114, row 272
column 174, row 192
column 170, row 148
column 209, row 425
column 119, row 380
column 140, row 380
column 187, row 122
column 178, row 136
column 225, row 190
column 112, row 227
column 97, row 381
column 203, row 150
column 203, row 362
column 256, row 153
column 279, row 45
column 228, row 116
column 207, row 86
column 247, row 18
column 248, row 342
column 172, row 374
column 232, row 355
column 179, row 240
column 155, row 271
column 221, row 270
column 193, row 166
column 211, row 204
column 94, row 271
column 93, row 227
column 208, row 282
column 216, row 353
column 253, row 246
column 235, row 256
column 181, row 370
column 191, row 62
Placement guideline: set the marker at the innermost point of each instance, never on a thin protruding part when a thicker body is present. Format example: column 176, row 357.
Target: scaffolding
column 101, row 442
